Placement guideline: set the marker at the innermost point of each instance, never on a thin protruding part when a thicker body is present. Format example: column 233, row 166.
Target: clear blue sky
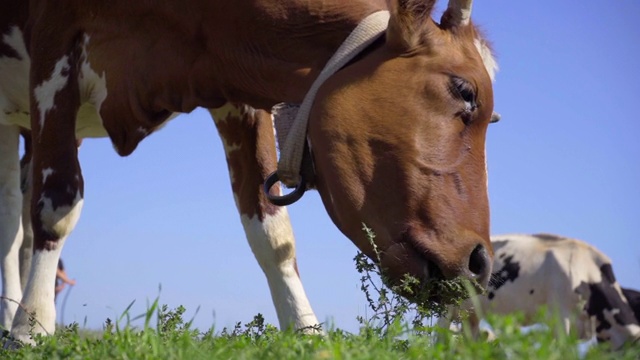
column 564, row 159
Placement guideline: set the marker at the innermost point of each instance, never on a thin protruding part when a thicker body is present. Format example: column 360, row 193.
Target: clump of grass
column 254, row 330
column 411, row 300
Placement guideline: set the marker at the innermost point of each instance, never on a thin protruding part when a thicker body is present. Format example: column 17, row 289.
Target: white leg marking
column 46, row 91
column 39, row 296
column 10, row 226
column 273, row 245
column 62, row 219
column 45, row 174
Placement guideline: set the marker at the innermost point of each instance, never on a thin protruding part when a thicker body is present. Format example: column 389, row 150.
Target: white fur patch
column 93, row 86
column 14, row 89
column 220, row 116
column 488, row 59
column 46, row 91
column 63, row 219
column 229, row 109
column 15, row 41
column 273, row 245
column 93, row 92
column 46, row 173
column 618, row 334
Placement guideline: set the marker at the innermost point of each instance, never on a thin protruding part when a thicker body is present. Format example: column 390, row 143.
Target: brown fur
column 393, row 145
column 252, row 132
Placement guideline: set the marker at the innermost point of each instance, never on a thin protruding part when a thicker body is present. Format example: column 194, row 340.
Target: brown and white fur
column 91, row 69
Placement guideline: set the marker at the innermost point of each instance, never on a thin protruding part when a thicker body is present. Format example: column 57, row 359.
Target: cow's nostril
column 479, row 263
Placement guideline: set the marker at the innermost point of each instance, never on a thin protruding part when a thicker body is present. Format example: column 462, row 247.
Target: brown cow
column 408, row 110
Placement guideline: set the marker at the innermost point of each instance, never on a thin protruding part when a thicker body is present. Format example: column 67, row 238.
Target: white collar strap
column 369, row 29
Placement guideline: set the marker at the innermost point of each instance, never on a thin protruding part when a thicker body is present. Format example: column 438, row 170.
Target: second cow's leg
column 249, row 143
column 10, row 229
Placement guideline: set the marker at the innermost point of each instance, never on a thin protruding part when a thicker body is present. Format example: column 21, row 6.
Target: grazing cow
column 403, row 103
column 572, row 278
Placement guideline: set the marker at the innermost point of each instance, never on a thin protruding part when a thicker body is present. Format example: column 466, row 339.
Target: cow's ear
column 409, row 23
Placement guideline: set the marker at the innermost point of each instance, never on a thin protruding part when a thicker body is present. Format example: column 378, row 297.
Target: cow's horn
column 459, row 12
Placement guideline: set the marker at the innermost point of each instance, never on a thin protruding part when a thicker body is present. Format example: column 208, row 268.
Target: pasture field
column 173, row 338
column 395, row 329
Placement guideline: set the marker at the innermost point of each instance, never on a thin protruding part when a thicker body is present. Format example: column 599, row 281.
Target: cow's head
column 398, row 142
column 606, row 302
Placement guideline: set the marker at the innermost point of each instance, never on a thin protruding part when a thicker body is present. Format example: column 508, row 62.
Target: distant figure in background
column 62, row 279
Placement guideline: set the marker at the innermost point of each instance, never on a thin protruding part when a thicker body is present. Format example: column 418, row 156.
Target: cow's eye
column 465, row 91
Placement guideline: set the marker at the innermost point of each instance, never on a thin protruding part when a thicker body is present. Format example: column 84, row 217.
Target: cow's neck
column 286, row 56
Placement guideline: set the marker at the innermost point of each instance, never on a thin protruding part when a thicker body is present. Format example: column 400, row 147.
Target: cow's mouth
column 410, row 273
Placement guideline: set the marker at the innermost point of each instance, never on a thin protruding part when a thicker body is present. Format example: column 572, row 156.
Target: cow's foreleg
column 249, row 143
column 10, row 228
column 56, row 178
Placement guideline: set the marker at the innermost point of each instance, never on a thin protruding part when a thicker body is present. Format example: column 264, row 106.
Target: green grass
column 172, row 338
column 395, row 329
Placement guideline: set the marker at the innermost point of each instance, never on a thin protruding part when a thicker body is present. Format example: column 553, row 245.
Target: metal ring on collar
column 283, row 200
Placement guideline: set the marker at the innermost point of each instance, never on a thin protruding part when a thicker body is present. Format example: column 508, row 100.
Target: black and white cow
column 633, row 298
column 571, row 277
